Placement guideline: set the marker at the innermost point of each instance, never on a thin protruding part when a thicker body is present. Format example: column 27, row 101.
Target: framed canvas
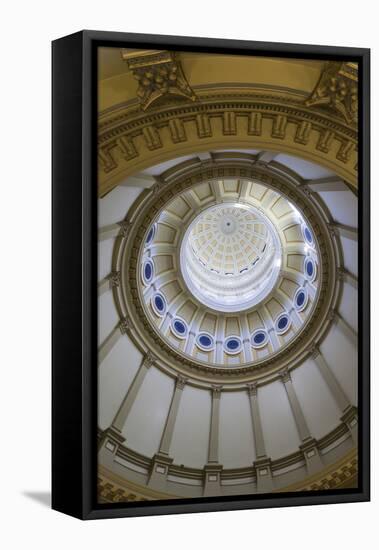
column 211, row 345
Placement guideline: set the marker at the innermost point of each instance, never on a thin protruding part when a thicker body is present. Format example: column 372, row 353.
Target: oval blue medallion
column 309, row 269
column 300, row 298
column 233, row 344
column 205, row 341
column 179, row 327
column 150, row 235
column 282, row 323
column 259, row 337
column 308, row 235
column 148, row 271
column 159, row 303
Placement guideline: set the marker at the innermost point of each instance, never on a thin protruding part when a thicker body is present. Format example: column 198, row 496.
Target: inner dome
column 228, row 272
column 230, row 256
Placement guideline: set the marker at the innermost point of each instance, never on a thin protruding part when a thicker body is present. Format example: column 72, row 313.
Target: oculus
column 230, row 257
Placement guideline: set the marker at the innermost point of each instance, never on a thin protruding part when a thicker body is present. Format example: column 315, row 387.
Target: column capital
column 306, row 190
column 252, row 388
column 124, row 325
column 216, row 391
column 314, row 351
column 149, row 360
column 285, row 376
column 125, row 226
column 332, row 229
column 341, row 274
column 114, row 278
column 180, row 382
column 332, row 315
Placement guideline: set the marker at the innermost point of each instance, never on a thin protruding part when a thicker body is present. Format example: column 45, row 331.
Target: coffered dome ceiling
column 228, row 272
column 227, row 313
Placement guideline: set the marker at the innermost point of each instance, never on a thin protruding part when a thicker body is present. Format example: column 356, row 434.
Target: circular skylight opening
column 230, row 257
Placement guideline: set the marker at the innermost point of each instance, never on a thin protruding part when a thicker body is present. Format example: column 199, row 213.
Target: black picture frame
column 74, row 295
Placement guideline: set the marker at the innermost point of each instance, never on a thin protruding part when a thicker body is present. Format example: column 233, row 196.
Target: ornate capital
column 181, row 382
column 332, row 316
column 149, row 359
column 216, row 391
column 332, row 229
column 285, row 376
column 337, row 90
column 114, row 278
column 306, row 190
column 314, row 351
column 159, row 74
column 124, row 325
column 341, row 274
column 125, row 227
column 252, row 388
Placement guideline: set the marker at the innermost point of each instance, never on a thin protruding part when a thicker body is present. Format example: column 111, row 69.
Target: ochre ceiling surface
column 159, row 105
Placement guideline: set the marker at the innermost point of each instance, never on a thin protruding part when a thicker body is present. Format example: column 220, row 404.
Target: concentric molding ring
column 127, row 255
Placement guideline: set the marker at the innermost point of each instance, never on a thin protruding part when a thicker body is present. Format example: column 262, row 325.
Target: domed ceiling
column 229, row 272
column 227, row 285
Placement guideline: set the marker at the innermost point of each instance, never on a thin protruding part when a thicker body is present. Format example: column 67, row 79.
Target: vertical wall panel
column 236, row 442
column 189, row 444
column 115, row 375
column 145, row 423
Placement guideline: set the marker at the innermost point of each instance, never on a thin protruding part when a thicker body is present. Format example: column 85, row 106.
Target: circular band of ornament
column 144, row 215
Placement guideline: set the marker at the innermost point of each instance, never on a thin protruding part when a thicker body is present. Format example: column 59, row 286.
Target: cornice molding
column 330, row 477
column 130, row 142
